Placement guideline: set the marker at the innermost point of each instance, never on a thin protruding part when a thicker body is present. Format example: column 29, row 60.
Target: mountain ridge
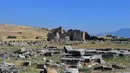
column 125, row 32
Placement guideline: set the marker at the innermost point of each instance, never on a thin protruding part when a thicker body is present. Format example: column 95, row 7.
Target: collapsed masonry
column 92, row 58
column 74, row 56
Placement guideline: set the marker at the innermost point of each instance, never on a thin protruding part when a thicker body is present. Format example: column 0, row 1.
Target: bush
column 11, row 37
column 93, row 43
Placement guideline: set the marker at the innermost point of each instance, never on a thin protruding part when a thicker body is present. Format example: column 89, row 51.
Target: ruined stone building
column 59, row 34
column 55, row 34
column 77, row 35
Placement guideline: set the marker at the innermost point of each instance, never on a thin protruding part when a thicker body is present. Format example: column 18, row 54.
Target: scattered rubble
column 71, row 60
column 8, row 68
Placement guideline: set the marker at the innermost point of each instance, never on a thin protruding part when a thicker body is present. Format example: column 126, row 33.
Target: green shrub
column 11, row 37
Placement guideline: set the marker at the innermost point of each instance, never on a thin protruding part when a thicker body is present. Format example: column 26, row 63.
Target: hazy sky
column 94, row 16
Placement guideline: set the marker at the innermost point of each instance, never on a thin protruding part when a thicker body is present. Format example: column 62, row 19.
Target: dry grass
column 22, row 32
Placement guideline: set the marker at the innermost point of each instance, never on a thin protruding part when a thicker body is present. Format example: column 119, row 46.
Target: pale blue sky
column 94, row 16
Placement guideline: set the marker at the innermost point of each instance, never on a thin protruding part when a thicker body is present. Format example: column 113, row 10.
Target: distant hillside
column 22, row 32
column 121, row 33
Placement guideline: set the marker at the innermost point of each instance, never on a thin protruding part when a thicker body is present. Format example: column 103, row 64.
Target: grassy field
column 90, row 45
column 75, row 46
